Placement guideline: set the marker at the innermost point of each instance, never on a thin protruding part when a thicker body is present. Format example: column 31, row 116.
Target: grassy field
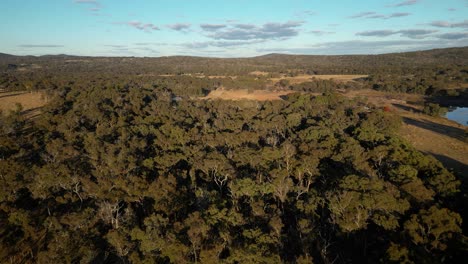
column 307, row 78
column 259, row 73
column 244, row 94
column 31, row 102
column 195, row 75
column 292, row 80
column 438, row 136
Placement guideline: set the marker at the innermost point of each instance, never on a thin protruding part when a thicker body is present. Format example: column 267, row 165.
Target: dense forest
column 125, row 166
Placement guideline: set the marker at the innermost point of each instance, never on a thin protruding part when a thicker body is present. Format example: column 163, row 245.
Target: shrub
column 434, row 109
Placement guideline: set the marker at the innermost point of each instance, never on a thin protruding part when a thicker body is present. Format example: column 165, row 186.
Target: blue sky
column 229, row 28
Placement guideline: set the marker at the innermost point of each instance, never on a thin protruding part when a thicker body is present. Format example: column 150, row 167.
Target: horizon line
column 213, row 57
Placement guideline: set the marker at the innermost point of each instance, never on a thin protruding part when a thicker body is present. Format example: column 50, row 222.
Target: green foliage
column 434, row 109
column 362, row 199
column 114, row 173
column 434, row 227
column 398, row 254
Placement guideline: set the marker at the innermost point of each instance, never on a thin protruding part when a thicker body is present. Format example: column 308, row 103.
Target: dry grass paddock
column 244, row 94
column 31, row 102
column 307, row 78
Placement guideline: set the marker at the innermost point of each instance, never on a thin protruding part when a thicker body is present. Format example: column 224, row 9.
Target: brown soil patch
column 257, row 95
column 160, row 75
column 195, row 75
column 456, row 86
column 220, row 77
column 31, row 102
column 259, row 73
column 307, row 78
column 341, row 78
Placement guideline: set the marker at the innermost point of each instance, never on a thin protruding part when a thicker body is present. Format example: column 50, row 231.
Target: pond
column 458, row 114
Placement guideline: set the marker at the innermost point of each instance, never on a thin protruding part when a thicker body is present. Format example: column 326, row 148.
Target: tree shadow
column 458, row 168
column 32, row 114
column 10, row 95
column 453, row 132
column 444, row 98
column 407, row 108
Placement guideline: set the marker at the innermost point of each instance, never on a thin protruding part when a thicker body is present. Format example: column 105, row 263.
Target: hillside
column 357, row 64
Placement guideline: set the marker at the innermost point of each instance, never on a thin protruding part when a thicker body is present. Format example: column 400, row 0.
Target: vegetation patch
column 245, row 94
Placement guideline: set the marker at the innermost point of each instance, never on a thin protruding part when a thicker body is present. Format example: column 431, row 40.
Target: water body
column 459, row 115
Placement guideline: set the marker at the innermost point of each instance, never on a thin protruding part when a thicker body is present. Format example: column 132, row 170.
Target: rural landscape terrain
column 269, row 159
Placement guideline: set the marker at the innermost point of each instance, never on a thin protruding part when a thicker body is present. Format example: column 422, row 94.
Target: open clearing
column 438, row 136
column 307, row 78
column 292, row 80
column 195, row 75
column 31, row 102
column 244, row 94
column 259, row 73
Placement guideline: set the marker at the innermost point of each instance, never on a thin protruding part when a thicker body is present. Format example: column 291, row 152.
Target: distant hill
column 4, row 55
column 435, row 56
column 321, row 64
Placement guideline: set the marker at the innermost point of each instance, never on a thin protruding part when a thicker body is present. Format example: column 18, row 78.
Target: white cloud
column 179, row 26
column 446, row 24
column 404, row 3
column 88, row 2
column 147, row 27
column 265, row 31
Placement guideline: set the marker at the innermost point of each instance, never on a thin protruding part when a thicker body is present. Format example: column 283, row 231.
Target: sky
column 229, row 28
